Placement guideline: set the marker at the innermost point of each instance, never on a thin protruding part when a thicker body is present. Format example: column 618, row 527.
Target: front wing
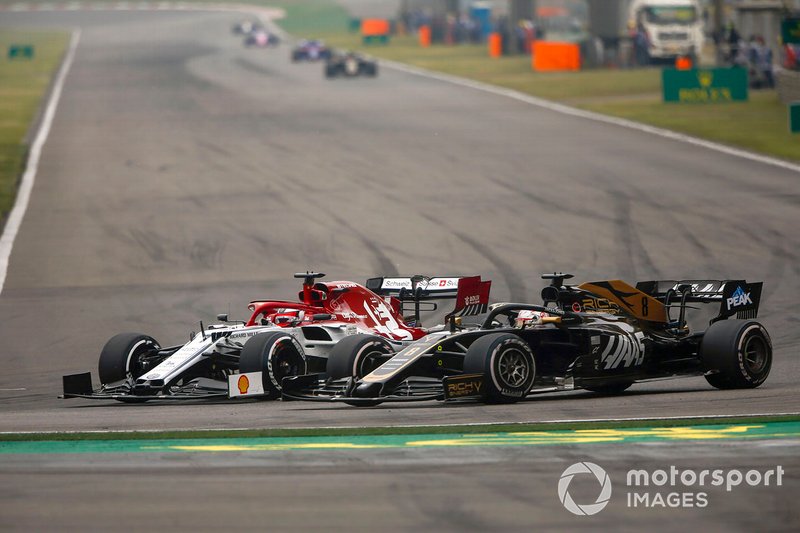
column 317, row 387
column 80, row 386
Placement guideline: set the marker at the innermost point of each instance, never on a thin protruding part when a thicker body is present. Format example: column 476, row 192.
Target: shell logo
column 243, row 384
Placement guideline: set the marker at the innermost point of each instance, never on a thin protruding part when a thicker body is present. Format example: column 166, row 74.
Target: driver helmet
column 527, row 318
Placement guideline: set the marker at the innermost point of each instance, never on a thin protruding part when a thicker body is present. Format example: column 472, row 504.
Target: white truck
column 673, row 27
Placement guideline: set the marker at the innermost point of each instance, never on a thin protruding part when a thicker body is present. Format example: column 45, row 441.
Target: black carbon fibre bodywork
column 602, row 340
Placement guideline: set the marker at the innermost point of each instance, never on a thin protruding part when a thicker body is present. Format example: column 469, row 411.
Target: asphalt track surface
column 185, row 175
column 451, row 489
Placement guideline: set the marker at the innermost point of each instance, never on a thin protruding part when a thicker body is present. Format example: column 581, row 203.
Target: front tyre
column 740, row 351
column 507, row 363
column 357, row 356
column 124, row 356
column 276, row 354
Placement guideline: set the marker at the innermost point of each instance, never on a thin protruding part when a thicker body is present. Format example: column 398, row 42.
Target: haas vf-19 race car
column 600, row 336
column 280, row 339
column 350, row 64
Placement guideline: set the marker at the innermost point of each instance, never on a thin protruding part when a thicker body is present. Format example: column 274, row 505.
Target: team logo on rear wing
column 473, row 297
column 736, row 297
column 427, row 288
column 740, row 298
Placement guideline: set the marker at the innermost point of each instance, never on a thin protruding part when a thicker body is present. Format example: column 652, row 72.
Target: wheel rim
column 286, row 362
column 513, row 368
column 135, row 368
column 755, row 355
column 370, row 361
column 136, row 365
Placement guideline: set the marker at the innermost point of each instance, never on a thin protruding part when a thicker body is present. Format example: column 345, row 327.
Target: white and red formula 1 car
column 280, row 339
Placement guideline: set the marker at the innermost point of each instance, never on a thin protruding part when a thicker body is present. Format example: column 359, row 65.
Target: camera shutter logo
column 602, row 499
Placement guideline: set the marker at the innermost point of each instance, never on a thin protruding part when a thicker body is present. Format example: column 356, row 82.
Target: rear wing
column 470, row 293
column 472, row 298
column 736, row 297
column 415, row 288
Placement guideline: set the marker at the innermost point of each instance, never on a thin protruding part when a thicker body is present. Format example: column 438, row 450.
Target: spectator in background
column 525, row 34
column 641, row 45
column 791, row 58
column 734, row 41
column 761, row 61
column 501, row 27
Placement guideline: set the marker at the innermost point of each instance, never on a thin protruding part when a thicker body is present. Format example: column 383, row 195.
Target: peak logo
column 585, row 509
column 739, row 298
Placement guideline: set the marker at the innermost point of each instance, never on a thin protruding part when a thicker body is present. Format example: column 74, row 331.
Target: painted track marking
column 26, row 184
column 768, row 431
column 589, row 115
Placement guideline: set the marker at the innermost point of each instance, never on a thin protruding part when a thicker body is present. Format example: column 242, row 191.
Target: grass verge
column 759, row 125
column 395, row 430
column 23, row 83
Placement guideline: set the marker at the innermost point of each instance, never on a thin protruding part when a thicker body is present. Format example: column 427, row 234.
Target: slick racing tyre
column 507, row 363
column 276, row 355
column 331, row 71
column 357, row 356
column 370, row 69
column 123, row 357
column 740, row 351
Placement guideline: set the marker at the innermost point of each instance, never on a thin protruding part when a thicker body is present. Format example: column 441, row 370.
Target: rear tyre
column 739, row 351
column 331, row 71
column 276, row 355
column 507, row 363
column 357, row 356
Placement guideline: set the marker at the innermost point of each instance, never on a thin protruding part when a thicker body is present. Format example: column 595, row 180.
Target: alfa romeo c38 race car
column 600, row 336
column 280, row 339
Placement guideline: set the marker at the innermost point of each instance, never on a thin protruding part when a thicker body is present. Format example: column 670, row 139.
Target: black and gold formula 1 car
column 600, row 336
column 349, row 65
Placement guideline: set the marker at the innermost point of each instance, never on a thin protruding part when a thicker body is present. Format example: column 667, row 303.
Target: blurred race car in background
column 601, row 336
column 350, row 64
column 310, row 50
column 280, row 339
column 261, row 38
column 245, row 27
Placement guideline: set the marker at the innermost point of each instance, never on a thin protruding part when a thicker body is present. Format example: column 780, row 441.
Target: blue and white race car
column 310, row 50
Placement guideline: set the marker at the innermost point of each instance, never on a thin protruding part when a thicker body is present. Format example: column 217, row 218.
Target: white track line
column 597, row 117
column 26, row 185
